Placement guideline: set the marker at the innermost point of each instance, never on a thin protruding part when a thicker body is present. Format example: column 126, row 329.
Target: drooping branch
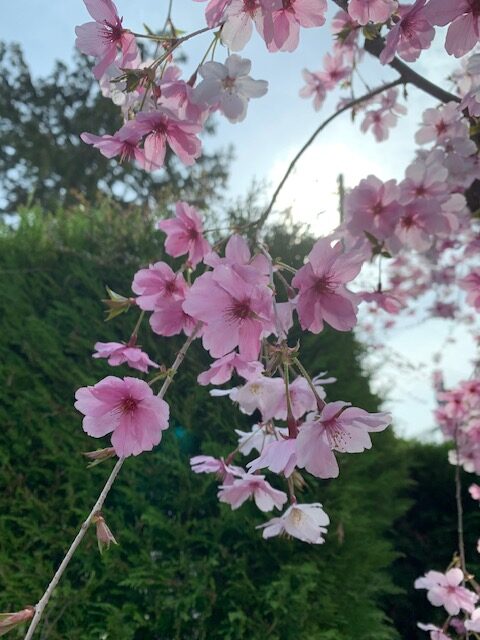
column 375, row 48
column 350, row 105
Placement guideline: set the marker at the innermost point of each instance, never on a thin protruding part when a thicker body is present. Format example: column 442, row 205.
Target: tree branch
column 375, row 48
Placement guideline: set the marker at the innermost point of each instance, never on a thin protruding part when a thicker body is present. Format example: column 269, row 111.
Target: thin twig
column 325, row 123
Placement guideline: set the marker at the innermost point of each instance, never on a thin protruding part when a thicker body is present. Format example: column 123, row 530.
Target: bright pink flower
column 123, row 143
column 410, row 35
column 471, row 284
column 474, row 490
column 252, row 486
column 118, row 353
column 364, row 11
column 373, row 207
column 222, row 370
column 278, row 456
column 235, row 312
column 287, row 21
column 444, row 590
column 315, row 86
column 169, row 318
column 339, row 427
column 225, row 472
column 464, row 30
column 322, row 292
column 105, row 37
column 157, row 284
column 307, row 522
column 128, row 409
column 184, row 234
column 162, row 127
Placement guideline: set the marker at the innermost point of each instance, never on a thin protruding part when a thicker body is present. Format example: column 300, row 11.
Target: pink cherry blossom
column 260, row 393
column 214, row 11
column 373, row 207
column 118, row 353
column 364, row 11
column 435, row 632
column 464, row 30
column 123, row 143
column 252, row 486
column 315, row 86
column 169, row 319
column 384, row 300
column 339, row 427
column 225, row 472
column 380, row 121
column 222, row 370
column 471, row 284
column 288, row 19
column 253, row 269
column 444, row 590
column 307, row 522
column 259, row 437
column 156, row 284
column 410, row 35
column 420, row 221
column 322, row 292
column 440, row 124
column 161, row 128
column 279, row 456
column 235, row 313
column 128, row 409
column 239, row 15
column 424, row 181
column 229, row 87
column 334, row 70
column 185, row 234
column 474, row 623
column 105, row 37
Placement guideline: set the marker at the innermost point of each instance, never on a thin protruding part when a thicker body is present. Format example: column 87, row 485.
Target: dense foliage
column 186, row 567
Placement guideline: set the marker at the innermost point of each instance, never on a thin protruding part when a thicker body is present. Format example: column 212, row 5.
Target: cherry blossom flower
column 364, row 11
column 380, row 121
column 104, row 536
column 279, row 456
column 307, row 522
column 235, row 313
column 339, row 427
column 222, row 370
column 229, row 86
column 435, row 632
column 444, row 590
column 315, row 86
column 439, row 124
column 156, row 284
column 384, row 300
column 424, row 181
column 169, row 319
column 253, row 269
column 259, row 437
column 334, row 70
column 373, row 207
column 119, row 353
column 474, row 623
column 214, row 11
column 288, row 19
column 464, row 30
column 410, row 35
column 260, row 393
column 184, row 234
column 162, row 127
column 128, row 409
column 471, row 284
column 225, row 472
column 105, row 37
column 123, row 143
column 322, row 292
column 252, row 486
column 420, row 221
column 239, row 15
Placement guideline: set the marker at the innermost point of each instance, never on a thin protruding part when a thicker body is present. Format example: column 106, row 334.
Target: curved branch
column 353, row 103
column 375, row 48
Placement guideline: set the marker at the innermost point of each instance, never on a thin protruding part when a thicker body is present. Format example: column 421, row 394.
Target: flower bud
column 9, row 621
column 99, row 455
column 104, row 535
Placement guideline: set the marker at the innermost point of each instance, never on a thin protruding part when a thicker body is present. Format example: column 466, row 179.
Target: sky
column 264, row 144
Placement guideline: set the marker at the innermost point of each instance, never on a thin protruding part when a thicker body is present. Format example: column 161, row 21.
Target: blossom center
column 229, row 84
column 128, row 405
column 113, row 32
column 324, row 284
column 240, row 310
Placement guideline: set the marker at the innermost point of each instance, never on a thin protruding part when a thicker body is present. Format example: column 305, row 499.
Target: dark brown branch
column 350, row 105
column 375, row 48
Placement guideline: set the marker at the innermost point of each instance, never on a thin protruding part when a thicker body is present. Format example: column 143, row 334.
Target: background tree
column 43, row 160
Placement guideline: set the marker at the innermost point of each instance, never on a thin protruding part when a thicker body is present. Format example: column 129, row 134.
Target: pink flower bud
column 9, row 621
column 104, row 535
column 99, row 455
